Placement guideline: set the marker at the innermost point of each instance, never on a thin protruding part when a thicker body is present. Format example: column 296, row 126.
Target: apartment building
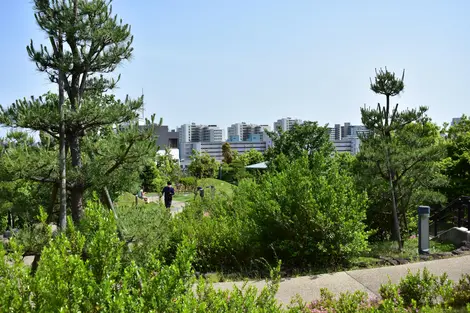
column 247, row 132
column 339, row 132
column 197, row 133
column 350, row 145
column 286, row 123
column 346, row 137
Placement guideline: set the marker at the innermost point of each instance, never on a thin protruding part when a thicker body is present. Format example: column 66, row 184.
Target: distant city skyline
column 228, row 61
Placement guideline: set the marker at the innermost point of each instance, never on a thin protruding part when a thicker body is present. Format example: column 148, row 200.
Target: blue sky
column 222, row 61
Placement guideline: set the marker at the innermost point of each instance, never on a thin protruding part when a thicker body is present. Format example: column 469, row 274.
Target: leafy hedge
column 85, row 270
column 308, row 215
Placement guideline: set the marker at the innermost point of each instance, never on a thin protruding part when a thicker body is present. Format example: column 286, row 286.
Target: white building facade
column 286, row 123
column 197, row 133
column 247, row 132
column 346, row 137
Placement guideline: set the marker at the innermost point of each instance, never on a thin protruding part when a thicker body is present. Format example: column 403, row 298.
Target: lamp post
column 423, row 229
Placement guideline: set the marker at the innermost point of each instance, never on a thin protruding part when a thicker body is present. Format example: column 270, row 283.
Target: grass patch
column 410, row 249
column 183, row 196
column 389, row 249
column 220, row 185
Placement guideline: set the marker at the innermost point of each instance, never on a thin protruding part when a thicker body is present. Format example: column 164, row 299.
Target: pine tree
column 383, row 122
column 86, row 42
column 227, row 153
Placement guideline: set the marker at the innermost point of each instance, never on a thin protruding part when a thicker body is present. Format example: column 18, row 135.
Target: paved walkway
column 176, row 207
column 368, row 280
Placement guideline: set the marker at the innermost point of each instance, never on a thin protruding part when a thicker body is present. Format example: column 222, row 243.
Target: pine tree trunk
column 396, row 223
column 50, row 210
column 62, row 155
column 78, row 188
column 388, row 139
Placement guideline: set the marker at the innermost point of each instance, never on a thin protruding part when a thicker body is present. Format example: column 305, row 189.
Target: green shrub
column 83, row 270
column 33, row 238
column 308, row 213
column 189, row 183
column 461, row 292
column 419, row 291
column 222, row 232
column 307, row 217
column 346, row 302
column 146, row 228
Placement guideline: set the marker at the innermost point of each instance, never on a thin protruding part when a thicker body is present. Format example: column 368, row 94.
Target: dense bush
column 461, row 294
column 415, row 293
column 306, row 216
column 82, row 270
column 224, row 234
column 309, row 213
column 188, row 183
column 418, row 290
column 146, row 228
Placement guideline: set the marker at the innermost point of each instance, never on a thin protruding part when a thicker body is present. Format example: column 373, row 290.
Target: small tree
column 202, row 165
column 251, row 157
column 307, row 137
column 416, row 151
column 227, row 153
column 382, row 123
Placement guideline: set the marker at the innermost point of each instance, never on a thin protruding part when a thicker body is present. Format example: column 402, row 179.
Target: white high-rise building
column 211, row 133
column 199, row 133
column 247, row 132
column 286, row 123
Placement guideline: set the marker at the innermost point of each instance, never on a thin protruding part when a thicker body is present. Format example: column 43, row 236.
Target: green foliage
column 382, row 123
column 33, row 238
column 82, row 270
column 308, row 136
column 461, row 294
column 168, row 166
column 222, row 232
column 310, row 212
column 86, row 41
column 310, row 217
column 189, row 183
column 85, row 269
column 203, row 165
column 227, row 153
column 457, row 164
column 147, row 228
column 251, row 157
column 149, row 177
column 415, row 152
column 236, row 171
column 414, row 293
column 19, row 196
column 157, row 172
column 418, row 290
column 345, row 303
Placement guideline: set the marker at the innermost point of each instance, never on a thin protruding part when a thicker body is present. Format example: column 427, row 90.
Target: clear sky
column 222, row 61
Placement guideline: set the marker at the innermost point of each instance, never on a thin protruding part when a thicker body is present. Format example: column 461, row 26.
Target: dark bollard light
column 423, row 229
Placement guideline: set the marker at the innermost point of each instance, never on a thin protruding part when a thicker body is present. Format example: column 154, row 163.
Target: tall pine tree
column 86, row 43
column 383, row 122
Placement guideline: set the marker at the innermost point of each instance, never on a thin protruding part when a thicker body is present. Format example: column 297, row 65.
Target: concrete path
column 176, row 207
column 368, row 280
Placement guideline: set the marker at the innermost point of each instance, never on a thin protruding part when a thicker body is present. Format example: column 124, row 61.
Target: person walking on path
column 168, row 193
